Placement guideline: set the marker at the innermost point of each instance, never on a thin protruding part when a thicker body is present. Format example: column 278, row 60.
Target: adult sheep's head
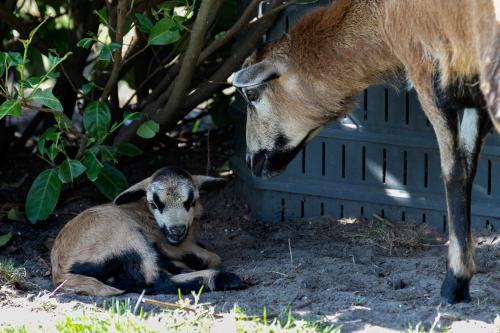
column 288, row 104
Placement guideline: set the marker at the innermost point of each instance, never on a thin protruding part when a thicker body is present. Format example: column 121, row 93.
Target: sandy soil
column 320, row 268
column 323, row 269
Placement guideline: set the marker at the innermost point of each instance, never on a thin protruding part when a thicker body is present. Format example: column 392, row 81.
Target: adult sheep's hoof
column 455, row 289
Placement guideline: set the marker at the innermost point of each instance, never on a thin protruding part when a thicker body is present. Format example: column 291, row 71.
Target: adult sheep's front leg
column 459, row 147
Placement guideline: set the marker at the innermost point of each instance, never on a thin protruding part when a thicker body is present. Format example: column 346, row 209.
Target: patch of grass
column 391, row 236
column 359, row 301
column 124, row 317
column 11, row 275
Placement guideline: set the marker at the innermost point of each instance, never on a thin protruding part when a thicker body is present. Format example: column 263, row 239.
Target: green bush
column 62, row 57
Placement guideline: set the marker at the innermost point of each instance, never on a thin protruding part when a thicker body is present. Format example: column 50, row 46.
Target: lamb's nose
column 178, row 230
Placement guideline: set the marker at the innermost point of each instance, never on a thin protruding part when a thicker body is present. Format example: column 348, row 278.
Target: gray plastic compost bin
column 381, row 159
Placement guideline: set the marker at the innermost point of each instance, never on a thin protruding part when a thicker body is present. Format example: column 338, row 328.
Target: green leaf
column 85, row 42
column 87, row 87
column 108, row 153
column 111, row 181
column 97, row 119
column 14, row 58
column 128, row 149
column 47, row 98
column 92, row 164
column 43, row 195
column 4, row 239
column 103, row 15
column 148, row 129
column 32, row 81
column 10, row 107
column 144, row 23
column 69, row 170
column 131, row 116
column 164, row 32
column 15, row 215
column 49, row 135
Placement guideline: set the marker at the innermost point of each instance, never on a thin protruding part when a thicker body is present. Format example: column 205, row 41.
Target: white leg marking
column 460, row 265
column 469, row 132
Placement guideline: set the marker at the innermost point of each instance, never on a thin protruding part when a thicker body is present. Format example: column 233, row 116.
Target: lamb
column 145, row 240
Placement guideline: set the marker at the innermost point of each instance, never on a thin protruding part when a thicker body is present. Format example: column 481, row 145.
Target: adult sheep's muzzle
column 266, row 164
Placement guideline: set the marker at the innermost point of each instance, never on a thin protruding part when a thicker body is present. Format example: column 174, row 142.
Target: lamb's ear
column 207, row 183
column 133, row 193
column 255, row 74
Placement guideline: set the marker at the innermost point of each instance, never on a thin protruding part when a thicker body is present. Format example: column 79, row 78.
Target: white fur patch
column 469, row 132
column 460, row 264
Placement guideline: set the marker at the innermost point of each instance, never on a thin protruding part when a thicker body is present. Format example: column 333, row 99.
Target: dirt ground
column 322, row 269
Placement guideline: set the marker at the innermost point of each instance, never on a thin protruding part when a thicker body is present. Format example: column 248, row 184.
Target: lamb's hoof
column 228, row 281
column 454, row 289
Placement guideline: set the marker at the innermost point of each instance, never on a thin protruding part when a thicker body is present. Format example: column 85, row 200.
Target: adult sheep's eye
column 153, row 205
column 252, row 95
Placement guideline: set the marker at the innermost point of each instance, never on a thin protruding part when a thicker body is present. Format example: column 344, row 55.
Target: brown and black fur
column 113, row 249
column 449, row 51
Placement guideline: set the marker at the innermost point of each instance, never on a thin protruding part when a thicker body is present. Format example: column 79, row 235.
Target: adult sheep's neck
column 342, row 47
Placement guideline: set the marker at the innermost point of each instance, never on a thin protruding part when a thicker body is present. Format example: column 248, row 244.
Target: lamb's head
column 289, row 101
column 172, row 196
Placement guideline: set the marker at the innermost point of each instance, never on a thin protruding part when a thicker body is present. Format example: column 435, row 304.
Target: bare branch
column 121, row 15
column 204, row 19
column 238, row 26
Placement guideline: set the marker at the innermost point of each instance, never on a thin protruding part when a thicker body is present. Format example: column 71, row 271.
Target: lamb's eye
column 153, row 205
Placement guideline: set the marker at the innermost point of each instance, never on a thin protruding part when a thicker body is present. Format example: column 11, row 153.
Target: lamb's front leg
column 191, row 254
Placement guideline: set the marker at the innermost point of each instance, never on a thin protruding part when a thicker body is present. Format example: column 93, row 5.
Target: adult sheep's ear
column 133, row 193
column 255, row 74
column 207, row 183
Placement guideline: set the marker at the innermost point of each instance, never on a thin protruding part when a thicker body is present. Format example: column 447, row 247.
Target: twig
column 57, row 288
column 121, row 16
column 383, row 220
column 290, row 249
column 83, row 145
column 208, row 9
column 174, row 306
column 139, row 300
column 239, row 25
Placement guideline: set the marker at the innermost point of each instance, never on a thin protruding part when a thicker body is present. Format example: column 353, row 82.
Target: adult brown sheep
column 448, row 50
